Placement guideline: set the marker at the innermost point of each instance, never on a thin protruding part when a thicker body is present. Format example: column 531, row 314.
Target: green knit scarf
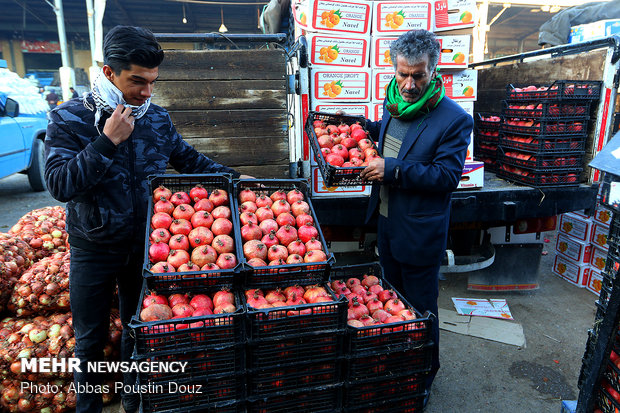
column 403, row 110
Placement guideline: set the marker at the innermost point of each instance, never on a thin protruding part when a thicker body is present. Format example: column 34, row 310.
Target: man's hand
column 374, row 171
column 120, row 125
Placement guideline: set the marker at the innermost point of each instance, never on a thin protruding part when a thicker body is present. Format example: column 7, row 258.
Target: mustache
column 414, row 91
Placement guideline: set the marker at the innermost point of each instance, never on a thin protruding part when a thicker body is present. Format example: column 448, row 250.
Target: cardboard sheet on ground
column 502, row 331
column 496, row 308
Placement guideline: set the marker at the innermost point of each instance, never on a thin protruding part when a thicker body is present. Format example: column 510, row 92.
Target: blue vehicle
column 21, row 143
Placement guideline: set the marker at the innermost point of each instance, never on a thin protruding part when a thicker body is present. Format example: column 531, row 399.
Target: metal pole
column 90, row 13
column 66, row 73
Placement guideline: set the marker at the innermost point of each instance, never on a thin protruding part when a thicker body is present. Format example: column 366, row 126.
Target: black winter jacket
column 106, row 186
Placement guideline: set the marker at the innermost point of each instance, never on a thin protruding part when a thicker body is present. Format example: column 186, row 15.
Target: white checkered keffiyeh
column 107, row 97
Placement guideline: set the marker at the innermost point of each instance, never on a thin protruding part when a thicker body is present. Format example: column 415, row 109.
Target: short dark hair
column 127, row 45
column 413, row 45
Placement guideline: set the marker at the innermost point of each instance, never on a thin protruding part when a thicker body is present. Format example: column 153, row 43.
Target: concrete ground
column 476, row 375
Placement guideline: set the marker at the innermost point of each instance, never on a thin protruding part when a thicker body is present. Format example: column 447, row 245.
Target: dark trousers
column 419, row 285
column 93, row 278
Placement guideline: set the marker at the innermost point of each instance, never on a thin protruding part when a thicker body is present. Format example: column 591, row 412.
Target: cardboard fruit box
column 338, row 51
column 397, row 17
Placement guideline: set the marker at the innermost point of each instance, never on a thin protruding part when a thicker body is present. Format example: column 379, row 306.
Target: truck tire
column 36, row 171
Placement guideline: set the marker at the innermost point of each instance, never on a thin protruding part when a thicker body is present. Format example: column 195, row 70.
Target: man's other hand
column 120, row 125
column 374, row 171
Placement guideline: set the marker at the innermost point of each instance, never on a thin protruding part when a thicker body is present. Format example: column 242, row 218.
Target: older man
column 423, row 137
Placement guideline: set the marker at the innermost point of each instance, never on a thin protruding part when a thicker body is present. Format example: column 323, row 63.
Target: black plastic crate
column 558, row 90
column 604, row 294
column 174, row 336
column 540, row 179
column 192, row 279
column 537, row 144
column 332, row 175
column 293, row 377
column 375, row 365
column 360, row 394
column 546, row 110
column 293, row 321
column 542, row 161
column 612, row 374
column 614, row 230
column 487, row 137
column 546, row 127
column 607, row 403
column 385, row 337
column 608, row 181
column 222, row 394
column 406, row 404
column 205, row 364
column 482, row 120
column 612, row 265
column 289, row 274
column 320, row 399
column 273, row 353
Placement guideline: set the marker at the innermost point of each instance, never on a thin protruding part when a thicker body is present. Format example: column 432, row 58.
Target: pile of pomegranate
column 344, row 145
column 371, row 305
column 15, row 257
column 30, row 399
column 43, row 288
column 44, row 230
column 290, row 296
column 43, row 337
column 156, row 307
column 191, row 231
column 278, row 229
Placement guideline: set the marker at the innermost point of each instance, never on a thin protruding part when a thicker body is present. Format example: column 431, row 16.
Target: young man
column 423, row 137
column 100, row 151
column 74, row 94
column 52, row 99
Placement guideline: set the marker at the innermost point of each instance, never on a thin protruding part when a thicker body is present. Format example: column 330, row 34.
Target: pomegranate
column 386, row 295
column 320, row 131
column 302, row 219
column 294, row 291
column 183, row 211
column 280, row 207
column 223, row 244
column 294, row 259
column 247, row 195
column 341, row 151
column 200, row 312
column 356, row 126
column 218, row 197
column 394, row 319
column 336, row 137
column 334, row 159
column 325, row 141
column 256, row 300
column 270, row 239
column 275, row 295
column 153, row 298
column 359, row 134
column 352, row 282
column 183, row 310
column 407, row 314
column 337, row 285
column 297, row 247
column 224, row 296
column 370, row 153
column 161, row 220
column 178, row 257
column 160, row 235
column 179, row 198
column 374, row 305
column 278, row 195
column 394, row 306
column 248, row 206
column 254, row 249
column 367, row 320
column 325, row 151
column 180, row 226
column 156, row 312
column 179, row 242
column 225, row 309
column 344, row 128
column 332, row 129
column 349, row 143
column 268, row 225
column 355, row 323
column 221, row 226
column 358, row 289
column 251, row 231
column 203, row 255
column 375, row 289
column 204, row 205
column 209, row 267
column 355, row 153
column 162, row 267
column 356, row 310
column 264, row 201
column 159, row 252
column 161, row 192
column 318, row 124
column 286, row 235
column 381, row 315
column 369, row 296
column 253, row 291
column 221, row 212
column 200, row 236
column 201, row 219
column 248, row 217
column 299, row 208
column 369, row 280
column 314, row 245
column 365, row 144
column 226, row 261
column 187, row 267
column 294, row 195
column 198, row 192
column 277, row 262
column 313, row 292
column 257, row 262
column 277, row 252
column 307, row 232
column 315, row 256
column 264, row 213
column 163, row 205
column 285, row 219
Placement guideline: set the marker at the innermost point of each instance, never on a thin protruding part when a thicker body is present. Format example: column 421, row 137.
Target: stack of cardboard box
column 349, row 45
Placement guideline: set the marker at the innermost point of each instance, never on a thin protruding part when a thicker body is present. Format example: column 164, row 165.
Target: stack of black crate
column 543, row 133
column 599, row 379
column 486, row 138
column 387, row 364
